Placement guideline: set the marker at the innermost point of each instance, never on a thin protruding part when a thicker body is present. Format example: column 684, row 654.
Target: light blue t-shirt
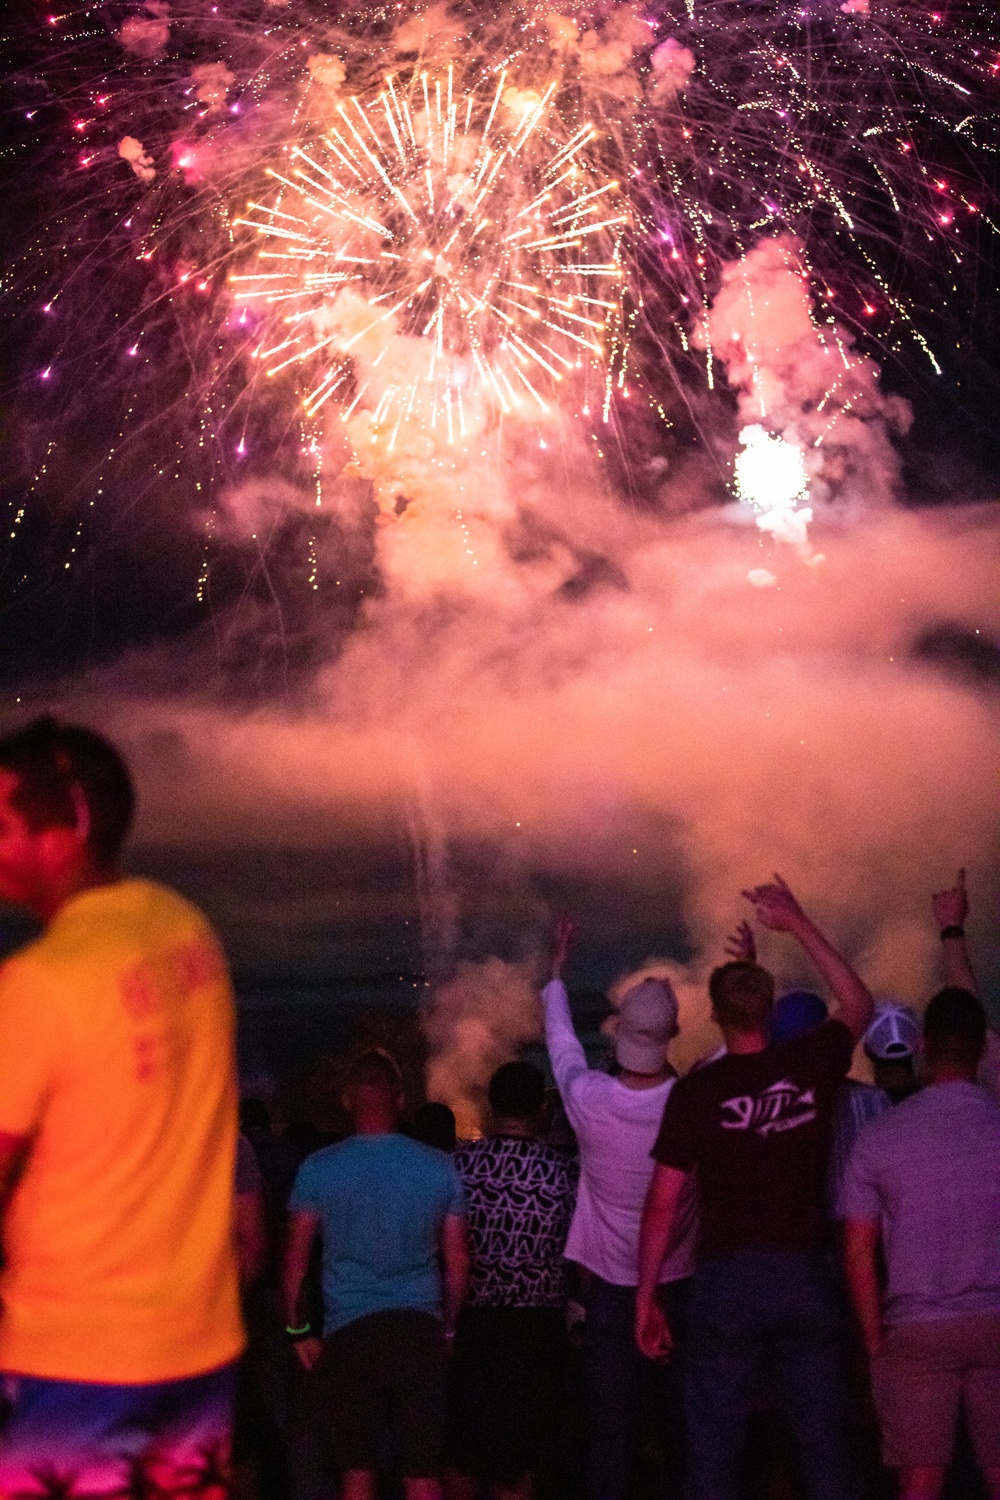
column 382, row 1200
column 929, row 1172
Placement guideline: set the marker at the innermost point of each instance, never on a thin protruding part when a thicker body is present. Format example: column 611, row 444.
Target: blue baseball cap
column 795, row 1013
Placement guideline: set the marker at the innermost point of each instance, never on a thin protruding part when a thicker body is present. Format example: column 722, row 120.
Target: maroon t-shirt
column 757, row 1129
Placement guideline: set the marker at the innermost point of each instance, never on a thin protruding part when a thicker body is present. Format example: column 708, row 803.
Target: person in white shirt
column 616, row 1120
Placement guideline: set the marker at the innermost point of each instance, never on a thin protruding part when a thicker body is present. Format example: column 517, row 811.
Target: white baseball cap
column 646, row 1022
column 894, row 1033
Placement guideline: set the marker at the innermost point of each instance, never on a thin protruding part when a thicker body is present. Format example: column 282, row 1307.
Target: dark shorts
column 385, row 1376
column 507, row 1391
column 72, row 1437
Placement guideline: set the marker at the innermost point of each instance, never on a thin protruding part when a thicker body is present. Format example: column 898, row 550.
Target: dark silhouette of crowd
column 765, row 1279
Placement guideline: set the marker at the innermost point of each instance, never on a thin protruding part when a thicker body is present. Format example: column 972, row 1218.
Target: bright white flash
column 770, row 475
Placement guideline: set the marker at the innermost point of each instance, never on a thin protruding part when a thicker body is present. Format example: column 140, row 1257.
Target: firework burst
column 465, row 216
column 538, row 206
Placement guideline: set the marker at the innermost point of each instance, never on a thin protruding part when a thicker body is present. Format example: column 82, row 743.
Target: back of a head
column 894, row 1033
column 955, row 1030
column 647, row 1021
column 796, row 1013
column 434, row 1124
column 742, row 995
column 517, row 1092
column 374, row 1085
column 70, row 777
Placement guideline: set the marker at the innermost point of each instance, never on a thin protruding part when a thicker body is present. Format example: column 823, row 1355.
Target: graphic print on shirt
column 519, row 1197
column 782, row 1106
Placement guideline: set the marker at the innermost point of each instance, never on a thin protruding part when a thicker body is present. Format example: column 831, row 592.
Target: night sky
column 116, row 597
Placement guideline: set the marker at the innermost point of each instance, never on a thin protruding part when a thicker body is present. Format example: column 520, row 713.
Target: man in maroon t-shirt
column 756, row 1126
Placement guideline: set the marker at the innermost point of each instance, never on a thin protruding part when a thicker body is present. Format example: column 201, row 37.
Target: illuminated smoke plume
column 147, row 36
column 817, row 424
column 212, row 82
column 130, row 150
column 476, row 1021
column 589, row 677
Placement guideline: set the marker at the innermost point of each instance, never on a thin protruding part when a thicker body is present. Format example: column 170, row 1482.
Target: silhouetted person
column 434, row 1124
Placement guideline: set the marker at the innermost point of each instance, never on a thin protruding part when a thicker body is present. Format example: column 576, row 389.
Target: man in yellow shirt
column 120, row 1317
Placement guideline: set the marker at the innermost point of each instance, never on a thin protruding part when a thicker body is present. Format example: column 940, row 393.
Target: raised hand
column 951, row 907
column 741, row 944
column 776, row 907
column 562, row 938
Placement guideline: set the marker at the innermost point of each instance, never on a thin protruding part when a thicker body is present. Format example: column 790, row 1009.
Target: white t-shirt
column 616, row 1127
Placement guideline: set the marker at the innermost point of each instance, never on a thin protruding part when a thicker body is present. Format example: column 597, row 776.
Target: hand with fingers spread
column 741, row 944
column 951, row 907
column 776, row 907
column 562, row 938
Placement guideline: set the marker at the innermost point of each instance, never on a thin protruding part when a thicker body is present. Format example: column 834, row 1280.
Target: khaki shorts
column 921, row 1375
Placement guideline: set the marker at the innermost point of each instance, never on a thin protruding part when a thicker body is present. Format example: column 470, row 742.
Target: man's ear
column 59, row 846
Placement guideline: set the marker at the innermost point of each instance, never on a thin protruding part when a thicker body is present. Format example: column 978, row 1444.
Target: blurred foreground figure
column 391, row 1216
column 120, row 1325
column 616, row 1120
column 755, row 1125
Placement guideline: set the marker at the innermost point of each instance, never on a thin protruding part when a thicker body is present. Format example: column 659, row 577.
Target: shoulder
column 433, row 1164
column 545, row 1161
column 831, row 1044
column 704, row 1079
column 883, row 1133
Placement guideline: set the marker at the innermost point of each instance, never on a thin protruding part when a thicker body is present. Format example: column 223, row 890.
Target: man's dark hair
column 375, row 1070
column 517, row 1091
column 955, row 1028
column 70, row 777
column 434, row 1124
column 742, row 995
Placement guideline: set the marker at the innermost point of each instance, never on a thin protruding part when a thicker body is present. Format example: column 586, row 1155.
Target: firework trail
column 378, row 245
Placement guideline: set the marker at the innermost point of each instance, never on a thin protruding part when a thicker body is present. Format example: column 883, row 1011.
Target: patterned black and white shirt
column 519, row 1200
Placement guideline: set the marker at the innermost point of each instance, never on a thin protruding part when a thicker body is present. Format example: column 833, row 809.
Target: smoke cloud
column 475, row 1022
column 570, row 696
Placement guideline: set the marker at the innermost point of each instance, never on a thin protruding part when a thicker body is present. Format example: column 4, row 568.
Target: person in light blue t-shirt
column 390, row 1213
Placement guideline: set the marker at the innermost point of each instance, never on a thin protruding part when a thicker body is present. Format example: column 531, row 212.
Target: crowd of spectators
column 765, row 1244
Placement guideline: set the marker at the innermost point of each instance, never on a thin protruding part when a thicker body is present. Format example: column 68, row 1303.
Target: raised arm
column 566, row 1054
column 778, row 909
column 951, row 907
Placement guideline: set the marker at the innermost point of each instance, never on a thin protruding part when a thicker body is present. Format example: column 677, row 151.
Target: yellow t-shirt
column 117, row 1059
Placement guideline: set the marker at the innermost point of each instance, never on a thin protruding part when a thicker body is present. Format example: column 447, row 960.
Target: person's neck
column 645, row 1080
column 525, row 1129
column 375, row 1124
column 75, row 882
column 743, row 1043
column 947, row 1071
